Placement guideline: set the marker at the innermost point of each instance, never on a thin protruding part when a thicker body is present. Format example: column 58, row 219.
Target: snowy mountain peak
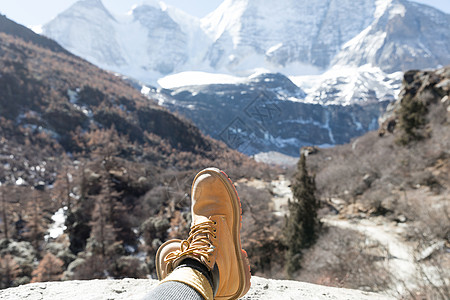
column 294, row 37
column 88, row 29
column 92, row 6
column 381, row 6
column 405, row 36
column 307, row 32
column 151, row 3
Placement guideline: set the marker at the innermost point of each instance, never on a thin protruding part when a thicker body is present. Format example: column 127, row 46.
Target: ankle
column 211, row 275
column 193, row 278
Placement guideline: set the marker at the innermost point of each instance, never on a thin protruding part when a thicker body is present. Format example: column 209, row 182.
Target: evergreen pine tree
column 301, row 226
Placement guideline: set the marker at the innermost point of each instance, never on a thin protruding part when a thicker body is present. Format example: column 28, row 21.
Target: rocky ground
column 131, row 289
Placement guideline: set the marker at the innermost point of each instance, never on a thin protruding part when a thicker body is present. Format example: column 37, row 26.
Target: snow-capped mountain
column 90, row 31
column 290, row 31
column 147, row 43
column 338, row 53
column 404, row 35
column 267, row 113
column 294, row 37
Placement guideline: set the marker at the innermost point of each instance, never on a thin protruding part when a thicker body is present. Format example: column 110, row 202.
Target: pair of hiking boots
column 214, row 239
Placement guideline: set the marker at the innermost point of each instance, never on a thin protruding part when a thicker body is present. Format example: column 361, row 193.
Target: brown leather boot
column 214, row 238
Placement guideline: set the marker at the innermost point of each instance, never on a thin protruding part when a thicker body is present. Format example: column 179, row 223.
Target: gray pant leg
column 173, row 290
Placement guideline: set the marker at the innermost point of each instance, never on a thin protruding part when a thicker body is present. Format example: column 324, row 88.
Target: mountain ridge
column 10, row 27
column 267, row 113
column 241, row 36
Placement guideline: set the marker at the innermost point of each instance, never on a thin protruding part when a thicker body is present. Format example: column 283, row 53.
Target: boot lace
column 198, row 243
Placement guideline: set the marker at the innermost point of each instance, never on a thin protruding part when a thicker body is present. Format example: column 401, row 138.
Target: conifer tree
column 49, row 269
column 35, row 220
column 102, row 233
column 79, row 213
column 9, row 270
column 64, row 184
column 4, row 214
column 302, row 223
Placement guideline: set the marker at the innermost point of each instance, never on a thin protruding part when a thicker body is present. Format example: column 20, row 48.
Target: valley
column 105, row 120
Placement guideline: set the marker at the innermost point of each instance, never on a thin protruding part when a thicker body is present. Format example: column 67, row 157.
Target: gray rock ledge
column 134, row 289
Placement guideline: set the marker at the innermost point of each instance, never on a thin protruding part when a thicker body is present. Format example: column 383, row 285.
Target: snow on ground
column 58, row 227
column 340, row 85
column 403, row 260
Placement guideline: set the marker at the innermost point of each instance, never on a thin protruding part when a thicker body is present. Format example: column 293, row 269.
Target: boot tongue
column 199, row 220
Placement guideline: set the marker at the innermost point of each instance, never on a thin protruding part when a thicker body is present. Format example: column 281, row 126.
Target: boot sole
column 241, row 254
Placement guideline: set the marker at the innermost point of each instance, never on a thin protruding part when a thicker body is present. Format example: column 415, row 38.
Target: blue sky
column 33, row 12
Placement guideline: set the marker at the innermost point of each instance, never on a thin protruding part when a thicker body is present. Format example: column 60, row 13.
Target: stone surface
column 132, row 289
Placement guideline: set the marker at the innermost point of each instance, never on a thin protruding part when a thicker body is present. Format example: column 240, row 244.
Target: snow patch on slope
column 197, row 78
column 347, row 85
column 58, row 227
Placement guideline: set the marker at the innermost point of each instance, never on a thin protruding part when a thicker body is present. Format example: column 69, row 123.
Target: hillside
column 384, row 202
column 409, row 154
column 95, row 175
column 391, row 188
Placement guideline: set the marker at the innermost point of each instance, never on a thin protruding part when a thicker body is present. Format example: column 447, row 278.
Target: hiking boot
column 214, row 239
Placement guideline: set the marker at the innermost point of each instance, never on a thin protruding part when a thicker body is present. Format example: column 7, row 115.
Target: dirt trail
column 400, row 254
column 280, row 190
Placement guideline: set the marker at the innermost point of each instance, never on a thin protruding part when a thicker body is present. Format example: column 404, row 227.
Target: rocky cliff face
column 145, row 44
column 92, row 30
column 422, row 92
column 267, row 113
